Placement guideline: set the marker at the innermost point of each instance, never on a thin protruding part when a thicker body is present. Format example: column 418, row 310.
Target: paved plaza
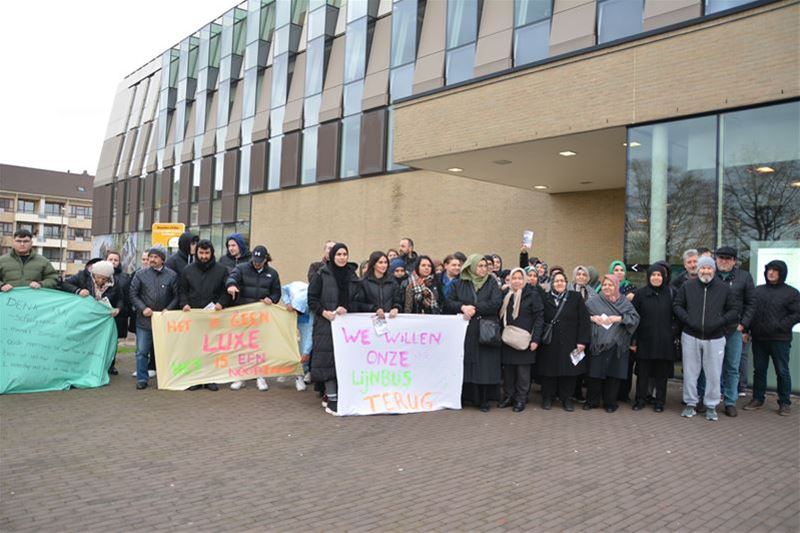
column 116, row 459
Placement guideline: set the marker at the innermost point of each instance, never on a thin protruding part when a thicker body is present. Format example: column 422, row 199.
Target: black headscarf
column 341, row 275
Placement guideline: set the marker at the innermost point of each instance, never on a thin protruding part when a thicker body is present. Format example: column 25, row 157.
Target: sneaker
column 151, row 373
column 299, row 384
column 785, row 410
column 742, row 394
column 236, row 385
column 688, row 411
column 331, row 408
column 711, row 415
column 753, row 405
column 324, row 400
column 730, row 410
column 307, row 378
column 262, row 384
column 701, row 408
column 133, row 374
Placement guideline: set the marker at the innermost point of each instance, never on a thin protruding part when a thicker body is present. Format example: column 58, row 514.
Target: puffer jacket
column 777, row 307
column 254, row 285
column 744, row 294
column 374, row 294
column 706, row 310
column 15, row 272
column 156, row 289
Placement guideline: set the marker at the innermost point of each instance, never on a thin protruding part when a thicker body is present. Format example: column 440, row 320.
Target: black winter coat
column 254, row 285
column 323, row 295
column 177, row 262
column 202, row 284
column 230, row 262
column 156, row 289
column 658, row 328
column 744, row 295
column 777, row 308
column 706, row 311
column 83, row 280
column 530, row 318
column 123, row 283
column 481, row 362
column 374, row 294
column 573, row 327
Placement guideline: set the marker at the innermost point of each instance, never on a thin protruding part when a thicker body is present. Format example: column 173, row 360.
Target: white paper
column 605, row 317
column 527, row 239
column 380, row 325
column 210, row 307
column 577, row 356
column 104, row 301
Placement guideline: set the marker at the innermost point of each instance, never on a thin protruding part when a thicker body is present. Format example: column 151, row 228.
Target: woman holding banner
column 378, row 292
column 330, row 294
column 479, row 299
column 419, row 292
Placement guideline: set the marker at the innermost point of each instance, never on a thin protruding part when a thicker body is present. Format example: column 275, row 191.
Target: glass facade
column 729, row 179
column 462, row 34
column 617, row 19
column 531, row 30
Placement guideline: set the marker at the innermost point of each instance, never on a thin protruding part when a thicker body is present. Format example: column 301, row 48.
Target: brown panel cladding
column 376, row 82
column 290, row 160
column 204, row 194
column 141, row 149
column 293, row 119
column 331, row 106
column 658, row 13
column 493, row 51
column 166, row 194
column 229, row 185
column 119, row 204
column 258, row 166
column 328, row 152
column 101, row 207
column 185, row 193
column 429, row 69
column 133, row 203
column 572, row 26
column 372, row 147
column 149, row 189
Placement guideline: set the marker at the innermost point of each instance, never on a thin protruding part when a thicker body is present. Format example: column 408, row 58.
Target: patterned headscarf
column 615, row 295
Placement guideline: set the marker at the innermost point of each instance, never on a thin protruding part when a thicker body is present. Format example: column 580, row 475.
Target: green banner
column 51, row 340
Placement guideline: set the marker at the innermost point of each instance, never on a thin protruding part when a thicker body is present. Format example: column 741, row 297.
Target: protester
column 580, row 282
column 705, row 306
column 524, row 260
column 238, row 253
column 81, row 279
column 330, row 294
column 566, row 316
column 690, row 258
column 476, row 297
column 152, row 289
column 406, row 253
column 252, row 282
column 654, row 339
column 594, row 279
column 614, row 320
column 378, row 292
column 452, row 270
column 744, row 297
column 392, row 254
column 777, row 311
column 523, row 309
column 295, row 297
column 151, row 365
column 398, row 269
column 122, row 281
column 187, row 245
column 22, row 266
column 626, row 288
column 419, row 292
column 98, row 282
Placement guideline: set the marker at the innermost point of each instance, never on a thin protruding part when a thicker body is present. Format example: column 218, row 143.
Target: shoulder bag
column 547, row 336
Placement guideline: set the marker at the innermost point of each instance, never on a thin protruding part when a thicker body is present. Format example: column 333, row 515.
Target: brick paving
column 116, row 459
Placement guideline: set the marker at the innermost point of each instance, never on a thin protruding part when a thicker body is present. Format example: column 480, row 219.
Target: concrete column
column 659, row 188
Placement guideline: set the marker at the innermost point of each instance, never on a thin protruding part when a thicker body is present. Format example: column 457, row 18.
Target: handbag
column 547, row 336
column 514, row 336
column 488, row 328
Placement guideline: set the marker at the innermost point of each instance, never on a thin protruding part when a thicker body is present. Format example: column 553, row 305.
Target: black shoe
column 568, row 405
column 730, row 410
column 701, row 408
column 638, row 406
column 518, row 407
column 611, row 408
column 113, row 371
column 624, row 399
column 195, row 387
column 588, row 407
column 505, row 403
column 484, row 407
column 547, row 404
column 658, row 408
column 211, row 386
column 140, row 385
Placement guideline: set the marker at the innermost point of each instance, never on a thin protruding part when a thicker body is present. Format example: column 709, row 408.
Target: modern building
column 55, row 206
column 611, row 128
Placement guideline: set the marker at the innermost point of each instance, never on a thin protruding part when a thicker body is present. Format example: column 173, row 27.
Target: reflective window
column 176, row 193
column 244, row 169
column 53, row 209
column 619, row 18
column 219, row 174
column 26, row 206
column 276, row 121
column 315, row 60
column 404, row 32
column 281, row 44
column 527, row 11
column 355, row 50
column 356, row 9
column 532, row 43
column 460, row 64
column 402, row 81
column 353, row 94
column 52, row 231
column 280, row 70
column 316, row 23
column 309, row 166
column 275, row 145
column 311, row 107
column 351, row 135
column 462, row 22
column 715, row 6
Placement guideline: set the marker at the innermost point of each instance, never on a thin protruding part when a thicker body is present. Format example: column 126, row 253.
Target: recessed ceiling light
column 455, row 169
column 502, row 162
column 795, row 184
column 567, row 153
column 634, row 144
column 765, row 170
column 541, row 187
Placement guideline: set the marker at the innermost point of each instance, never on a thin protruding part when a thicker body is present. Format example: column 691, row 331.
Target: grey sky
column 61, row 63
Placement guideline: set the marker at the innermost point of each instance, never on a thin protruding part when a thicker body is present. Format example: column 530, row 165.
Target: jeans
column 730, row 367
column 779, row 351
column 144, row 351
column 706, row 355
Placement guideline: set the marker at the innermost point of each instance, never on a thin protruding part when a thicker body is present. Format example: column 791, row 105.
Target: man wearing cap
column 154, row 288
column 706, row 308
column 744, row 296
column 24, row 267
column 777, row 312
column 252, row 282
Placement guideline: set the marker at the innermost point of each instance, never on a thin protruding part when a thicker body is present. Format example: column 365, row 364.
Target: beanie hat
column 707, row 262
column 159, row 251
column 103, row 268
column 396, row 263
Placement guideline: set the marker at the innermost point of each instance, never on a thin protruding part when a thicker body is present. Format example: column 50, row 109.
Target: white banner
column 408, row 364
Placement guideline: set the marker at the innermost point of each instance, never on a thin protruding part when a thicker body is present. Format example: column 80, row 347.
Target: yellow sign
column 164, row 233
column 238, row 343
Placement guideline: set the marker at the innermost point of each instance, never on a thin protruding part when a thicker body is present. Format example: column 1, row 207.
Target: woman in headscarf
column 544, row 279
column 419, row 292
column 378, row 292
column 654, row 339
column 477, row 297
column 614, row 320
column 330, row 294
column 594, row 278
column 626, row 288
column 522, row 308
column 580, row 282
column 570, row 332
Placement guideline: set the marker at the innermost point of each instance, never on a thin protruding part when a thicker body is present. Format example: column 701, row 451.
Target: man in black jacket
column 706, row 308
column 252, row 282
column 777, row 312
column 187, row 245
column 152, row 289
column 203, row 283
column 690, row 257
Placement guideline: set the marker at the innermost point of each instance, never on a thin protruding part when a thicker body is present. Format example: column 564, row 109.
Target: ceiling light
column 455, row 169
column 795, row 184
column 567, row 153
column 765, row 170
column 541, row 187
column 634, row 144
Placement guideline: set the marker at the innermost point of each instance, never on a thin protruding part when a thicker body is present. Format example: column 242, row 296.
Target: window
column 52, row 254
column 53, row 209
column 528, row 11
column 355, row 50
column 26, row 206
column 28, row 226
column 462, row 34
column 73, row 255
column 532, row 30
column 309, row 166
column 244, row 169
column 81, row 211
column 404, row 32
column 52, row 231
column 715, row 6
column 402, row 81
column 6, row 204
column 79, row 234
column 6, row 228
column 4, row 250
column 351, row 136
column 460, row 64
column 619, row 18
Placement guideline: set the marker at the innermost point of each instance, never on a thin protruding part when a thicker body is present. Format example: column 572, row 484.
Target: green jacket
column 36, row 268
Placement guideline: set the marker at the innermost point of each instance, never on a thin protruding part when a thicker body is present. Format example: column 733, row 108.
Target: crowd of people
column 582, row 337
